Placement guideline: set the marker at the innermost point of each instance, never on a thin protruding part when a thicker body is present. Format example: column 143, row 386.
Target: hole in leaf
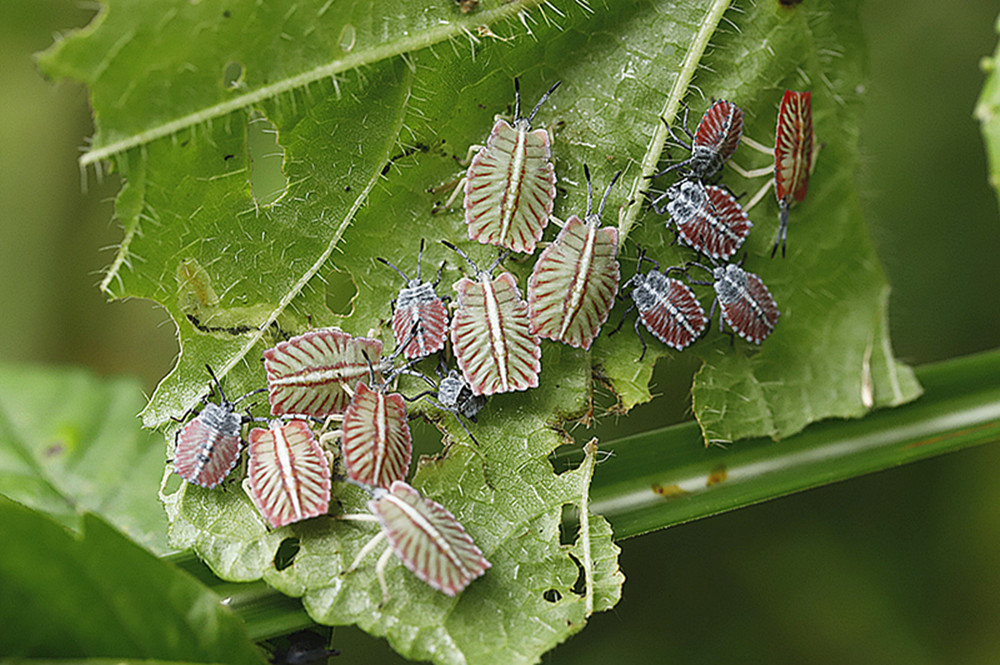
column 267, row 179
column 580, row 585
column 552, row 595
column 569, row 524
column 340, row 292
column 285, row 555
column 232, row 75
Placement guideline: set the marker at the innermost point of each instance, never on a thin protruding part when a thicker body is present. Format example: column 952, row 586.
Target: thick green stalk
column 664, row 477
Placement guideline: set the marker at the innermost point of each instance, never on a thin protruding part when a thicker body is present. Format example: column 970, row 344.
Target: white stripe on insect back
column 322, row 375
column 420, row 522
column 497, row 339
column 281, row 449
column 579, row 286
column 381, row 432
column 515, row 175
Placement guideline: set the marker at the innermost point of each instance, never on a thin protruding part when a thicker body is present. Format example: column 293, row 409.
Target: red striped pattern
column 677, row 318
column 491, row 338
column 718, row 226
column 573, row 284
column 288, row 476
column 306, row 375
column 376, row 439
column 794, row 144
column 204, row 455
column 428, row 539
column 748, row 308
column 720, row 129
column 432, row 333
column 510, row 188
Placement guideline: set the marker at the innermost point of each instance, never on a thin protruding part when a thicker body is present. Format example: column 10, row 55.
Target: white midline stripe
column 339, row 375
column 583, row 271
column 513, row 184
column 495, row 330
column 380, row 433
column 287, row 472
column 430, row 530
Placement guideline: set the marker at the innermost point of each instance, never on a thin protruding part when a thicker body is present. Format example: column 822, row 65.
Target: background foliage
column 758, row 582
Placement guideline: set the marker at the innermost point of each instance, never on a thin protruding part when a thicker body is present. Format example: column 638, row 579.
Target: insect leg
column 383, row 561
column 639, row 333
column 782, row 229
column 759, row 195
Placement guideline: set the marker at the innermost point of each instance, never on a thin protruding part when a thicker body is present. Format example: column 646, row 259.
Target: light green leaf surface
column 71, row 443
column 98, row 594
column 988, row 113
column 371, row 113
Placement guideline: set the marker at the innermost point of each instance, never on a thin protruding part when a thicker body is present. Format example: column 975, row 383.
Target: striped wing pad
column 306, row 375
column 289, row 477
column 720, row 129
column 430, row 336
column 794, row 144
column 376, row 439
column 574, row 283
column 710, row 221
column 491, row 338
column 510, row 188
column 428, row 539
column 674, row 316
column 747, row 305
column 208, row 447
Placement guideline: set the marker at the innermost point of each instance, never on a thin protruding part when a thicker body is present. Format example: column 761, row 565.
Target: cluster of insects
column 328, row 376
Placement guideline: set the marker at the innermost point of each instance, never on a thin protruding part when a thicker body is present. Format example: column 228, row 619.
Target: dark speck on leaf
column 226, row 14
column 228, row 157
column 790, row 3
column 184, row 144
column 347, row 188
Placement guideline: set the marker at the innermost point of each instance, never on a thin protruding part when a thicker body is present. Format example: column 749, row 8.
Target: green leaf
column 988, row 113
column 64, row 596
column 370, row 113
column 71, row 443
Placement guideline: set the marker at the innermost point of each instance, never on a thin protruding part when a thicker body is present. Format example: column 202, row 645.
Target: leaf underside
column 365, row 135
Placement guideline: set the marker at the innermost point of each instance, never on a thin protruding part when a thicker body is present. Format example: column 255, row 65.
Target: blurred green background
column 900, row 566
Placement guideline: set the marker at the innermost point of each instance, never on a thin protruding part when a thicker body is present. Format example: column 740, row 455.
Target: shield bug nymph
column 425, row 536
column 490, row 333
column 510, row 186
column 313, row 374
column 795, row 151
column 707, row 218
column 207, row 448
column 712, row 143
column 574, row 283
column 667, row 307
column 288, row 476
column 418, row 303
column 746, row 303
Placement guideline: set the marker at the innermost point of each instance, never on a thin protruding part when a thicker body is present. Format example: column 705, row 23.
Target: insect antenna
column 540, row 101
column 517, row 98
column 218, row 384
column 475, row 268
column 502, row 257
column 398, row 271
column 604, row 199
column 590, row 190
column 420, row 256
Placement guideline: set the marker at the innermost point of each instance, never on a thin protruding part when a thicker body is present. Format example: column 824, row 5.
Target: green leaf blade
column 101, row 595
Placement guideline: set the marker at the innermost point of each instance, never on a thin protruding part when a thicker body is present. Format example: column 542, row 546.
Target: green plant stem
column 666, row 477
